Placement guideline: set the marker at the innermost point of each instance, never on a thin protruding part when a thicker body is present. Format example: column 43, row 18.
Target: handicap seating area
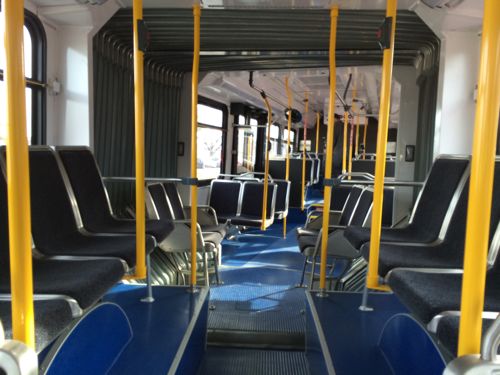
column 83, row 255
column 422, row 263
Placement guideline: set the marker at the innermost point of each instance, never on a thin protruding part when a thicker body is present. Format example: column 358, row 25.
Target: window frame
column 37, row 82
column 223, row 129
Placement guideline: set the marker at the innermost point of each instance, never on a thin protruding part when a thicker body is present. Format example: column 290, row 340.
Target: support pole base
column 147, row 299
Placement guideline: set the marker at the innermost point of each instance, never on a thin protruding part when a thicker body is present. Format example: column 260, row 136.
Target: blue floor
column 260, row 271
column 158, row 328
column 352, row 335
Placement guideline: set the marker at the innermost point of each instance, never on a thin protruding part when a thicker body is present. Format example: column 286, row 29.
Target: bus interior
column 249, row 187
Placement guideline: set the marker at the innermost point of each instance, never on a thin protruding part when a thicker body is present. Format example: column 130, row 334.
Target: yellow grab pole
column 344, row 146
column 194, row 140
column 351, row 136
column 303, row 202
column 356, row 148
column 334, row 13
column 481, row 183
column 266, row 166
column 383, row 127
column 317, row 131
column 18, row 187
column 289, row 127
column 364, row 137
column 140, row 212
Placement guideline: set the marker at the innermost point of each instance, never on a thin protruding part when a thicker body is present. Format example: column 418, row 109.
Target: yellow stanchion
column 194, row 140
column 18, row 188
column 383, row 128
column 140, row 211
column 289, row 127
column 351, row 137
column 334, row 13
column 317, row 131
column 304, row 155
column 364, row 137
column 481, row 183
column 266, row 166
column 356, row 147
column 344, row 144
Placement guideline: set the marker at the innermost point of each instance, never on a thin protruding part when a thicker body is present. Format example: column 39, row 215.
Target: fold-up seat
column 250, row 214
column 446, row 176
column 159, row 206
column 225, row 198
column 92, row 199
column 56, row 224
column 313, row 225
column 282, row 197
column 207, row 216
column 51, row 318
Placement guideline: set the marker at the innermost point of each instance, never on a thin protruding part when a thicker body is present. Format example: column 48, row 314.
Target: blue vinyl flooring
column 157, row 327
column 352, row 335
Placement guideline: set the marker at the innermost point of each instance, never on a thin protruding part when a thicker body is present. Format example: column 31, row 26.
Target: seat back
column 86, row 182
column 157, row 203
column 225, row 197
column 363, row 207
column 252, row 198
column 175, row 200
column 282, row 196
column 350, row 205
column 53, row 214
column 437, row 193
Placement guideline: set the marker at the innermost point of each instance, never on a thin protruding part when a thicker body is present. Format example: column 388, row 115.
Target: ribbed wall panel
column 114, row 117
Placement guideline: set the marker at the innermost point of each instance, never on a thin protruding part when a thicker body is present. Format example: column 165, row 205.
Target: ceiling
column 259, row 39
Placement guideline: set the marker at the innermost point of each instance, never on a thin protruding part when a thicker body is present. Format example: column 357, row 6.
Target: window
column 34, row 70
column 212, row 118
column 247, row 148
column 285, row 138
column 274, row 139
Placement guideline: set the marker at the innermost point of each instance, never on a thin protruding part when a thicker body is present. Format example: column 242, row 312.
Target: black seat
column 431, row 208
column 55, row 226
column 51, row 318
column 85, row 281
column 213, row 230
column 86, row 180
column 447, row 332
column 423, row 292
column 225, row 198
column 250, row 214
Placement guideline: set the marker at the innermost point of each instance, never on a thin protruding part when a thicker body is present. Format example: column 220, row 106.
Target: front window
column 210, row 138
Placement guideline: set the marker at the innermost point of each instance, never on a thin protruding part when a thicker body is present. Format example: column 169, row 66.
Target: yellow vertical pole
column 334, row 13
column 317, row 131
column 351, row 136
column 364, row 137
column 289, row 127
column 18, row 187
column 194, row 139
column 303, row 202
column 356, row 148
column 383, row 127
column 344, row 145
column 266, row 166
column 481, row 183
column 140, row 212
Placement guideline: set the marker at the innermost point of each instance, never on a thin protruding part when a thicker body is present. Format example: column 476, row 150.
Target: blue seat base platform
column 343, row 340
column 125, row 335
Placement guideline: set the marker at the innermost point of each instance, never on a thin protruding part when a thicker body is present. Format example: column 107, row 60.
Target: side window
column 212, row 119
column 274, row 138
column 34, row 71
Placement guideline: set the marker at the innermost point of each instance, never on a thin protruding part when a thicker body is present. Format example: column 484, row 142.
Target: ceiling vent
column 442, row 3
